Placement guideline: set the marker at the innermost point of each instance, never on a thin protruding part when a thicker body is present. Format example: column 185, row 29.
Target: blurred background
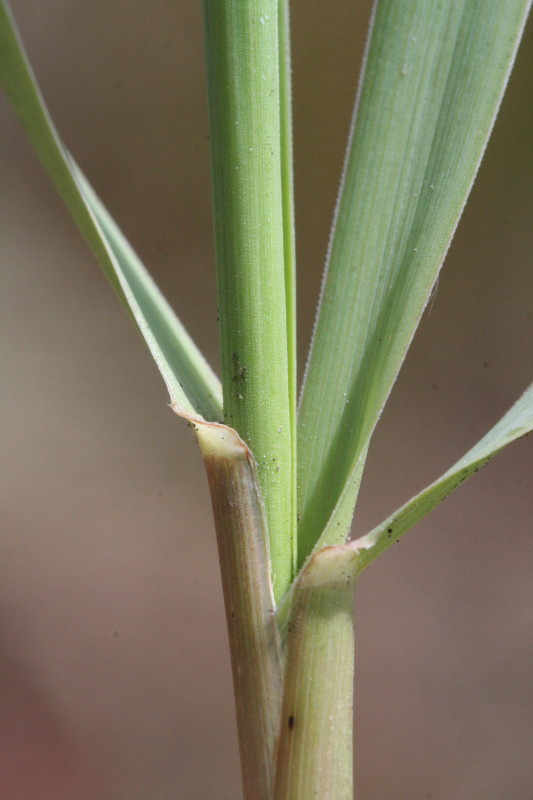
column 115, row 680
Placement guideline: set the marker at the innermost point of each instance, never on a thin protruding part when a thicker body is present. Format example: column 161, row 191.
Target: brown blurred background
column 115, row 680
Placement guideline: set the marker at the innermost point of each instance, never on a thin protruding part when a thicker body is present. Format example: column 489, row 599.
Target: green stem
column 315, row 745
column 245, row 132
column 253, row 634
column 289, row 237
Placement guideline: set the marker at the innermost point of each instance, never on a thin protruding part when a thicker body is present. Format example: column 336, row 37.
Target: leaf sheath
column 253, row 634
column 315, row 748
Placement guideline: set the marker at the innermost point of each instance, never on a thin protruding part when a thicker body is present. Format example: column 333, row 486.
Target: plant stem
column 289, row 234
column 245, row 132
column 253, row 633
column 315, row 744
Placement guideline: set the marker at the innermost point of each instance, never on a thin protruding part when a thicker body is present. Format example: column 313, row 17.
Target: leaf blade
column 515, row 424
column 434, row 77
column 190, row 381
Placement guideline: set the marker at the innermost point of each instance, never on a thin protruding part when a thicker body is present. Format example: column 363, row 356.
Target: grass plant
column 284, row 476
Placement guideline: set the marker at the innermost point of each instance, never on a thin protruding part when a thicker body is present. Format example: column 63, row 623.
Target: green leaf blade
column 190, row 380
column 515, row 424
column 192, row 385
column 434, row 77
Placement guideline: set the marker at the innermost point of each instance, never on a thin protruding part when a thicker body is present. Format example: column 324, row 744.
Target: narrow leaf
column 433, row 81
column 516, row 423
column 190, row 381
column 354, row 557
